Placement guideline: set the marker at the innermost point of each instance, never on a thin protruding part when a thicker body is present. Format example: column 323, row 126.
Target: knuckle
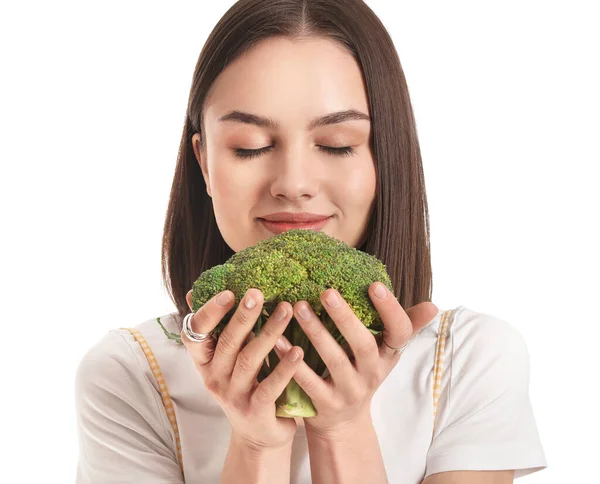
column 366, row 350
column 239, row 405
column 319, row 331
column 405, row 330
column 268, row 333
column 244, row 316
column 357, row 394
column 262, row 395
column 226, row 342
column 337, row 362
column 403, row 336
column 346, row 318
column 407, row 333
column 244, row 362
column 212, row 385
column 336, row 405
column 203, row 320
column 307, row 385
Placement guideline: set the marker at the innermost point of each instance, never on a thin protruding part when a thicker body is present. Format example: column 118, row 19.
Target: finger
column 273, row 386
column 232, row 338
column 318, row 389
column 205, row 320
column 211, row 313
column 397, row 327
column 360, row 340
column 252, row 356
column 333, row 355
column 400, row 326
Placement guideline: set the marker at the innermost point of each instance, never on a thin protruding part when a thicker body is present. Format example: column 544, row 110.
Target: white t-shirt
column 484, row 419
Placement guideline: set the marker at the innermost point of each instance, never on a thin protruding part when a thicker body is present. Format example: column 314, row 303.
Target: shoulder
column 119, row 356
column 476, row 336
column 108, row 358
column 116, row 375
column 473, row 331
column 122, row 420
column 487, row 361
column 485, row 419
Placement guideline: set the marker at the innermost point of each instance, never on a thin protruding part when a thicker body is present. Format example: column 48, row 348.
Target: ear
column 201, row 161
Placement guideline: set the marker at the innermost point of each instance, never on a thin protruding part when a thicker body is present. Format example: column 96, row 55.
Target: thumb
column 188, row 298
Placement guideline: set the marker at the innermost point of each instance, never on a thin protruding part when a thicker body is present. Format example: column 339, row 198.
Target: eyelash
column 342, row 151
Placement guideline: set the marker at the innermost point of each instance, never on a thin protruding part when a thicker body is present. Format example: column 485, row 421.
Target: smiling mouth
column 279, row 227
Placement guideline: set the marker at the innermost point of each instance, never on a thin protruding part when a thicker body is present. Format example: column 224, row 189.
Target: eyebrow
column 265, row 122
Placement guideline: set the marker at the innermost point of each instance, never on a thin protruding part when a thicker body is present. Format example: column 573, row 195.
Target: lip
column 295, row 217
column 279, row 227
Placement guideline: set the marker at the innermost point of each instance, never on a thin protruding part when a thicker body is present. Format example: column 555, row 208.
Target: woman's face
column 290, row 82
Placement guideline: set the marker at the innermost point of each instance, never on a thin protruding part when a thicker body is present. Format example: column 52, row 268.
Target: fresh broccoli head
column 293, row 266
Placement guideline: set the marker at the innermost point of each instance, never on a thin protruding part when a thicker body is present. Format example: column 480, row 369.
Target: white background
column 93, row 99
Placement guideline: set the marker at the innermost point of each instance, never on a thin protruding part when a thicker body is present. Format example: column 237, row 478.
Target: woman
column 302, row 106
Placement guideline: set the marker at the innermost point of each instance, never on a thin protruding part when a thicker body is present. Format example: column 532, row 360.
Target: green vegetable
column 293, row 266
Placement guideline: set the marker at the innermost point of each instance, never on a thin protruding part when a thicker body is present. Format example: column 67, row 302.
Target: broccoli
column 292, row 266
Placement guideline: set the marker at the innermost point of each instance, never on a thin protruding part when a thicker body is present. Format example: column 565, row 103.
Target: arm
column 258, row 466
column 346, row 459
column 471, row 477
column 352, row 456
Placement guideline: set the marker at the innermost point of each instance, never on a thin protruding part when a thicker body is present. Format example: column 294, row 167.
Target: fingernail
column 303, row 312
column 250, row 303
column 332, row 300
column 223, row 298
column 380, row 291
column 280, row 314
column 294, row 356
column 283, row 344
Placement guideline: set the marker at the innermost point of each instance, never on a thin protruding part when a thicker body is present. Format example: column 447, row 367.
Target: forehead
column 289, row 81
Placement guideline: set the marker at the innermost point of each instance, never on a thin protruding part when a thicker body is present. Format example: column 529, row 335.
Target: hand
column 344, row 396
column 229, row 369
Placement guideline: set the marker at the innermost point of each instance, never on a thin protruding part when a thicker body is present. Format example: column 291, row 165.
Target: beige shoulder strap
column 438, row 366
column 164, row 392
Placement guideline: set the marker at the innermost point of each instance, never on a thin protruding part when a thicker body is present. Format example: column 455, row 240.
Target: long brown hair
column 398, row 231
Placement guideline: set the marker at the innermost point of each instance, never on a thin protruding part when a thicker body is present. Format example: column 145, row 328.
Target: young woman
column 301, row 107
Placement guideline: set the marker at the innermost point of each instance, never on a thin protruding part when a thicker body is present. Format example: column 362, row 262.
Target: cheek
column 231, row 192
column 230, row 183
column 357, row 185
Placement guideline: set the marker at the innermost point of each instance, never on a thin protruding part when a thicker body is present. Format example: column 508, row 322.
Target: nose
column 295, row 174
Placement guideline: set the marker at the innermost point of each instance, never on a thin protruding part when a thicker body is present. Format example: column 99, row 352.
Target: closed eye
column 337, row 151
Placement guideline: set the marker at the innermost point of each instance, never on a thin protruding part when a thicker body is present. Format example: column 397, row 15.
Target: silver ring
column 396, row 350
column 197, row 337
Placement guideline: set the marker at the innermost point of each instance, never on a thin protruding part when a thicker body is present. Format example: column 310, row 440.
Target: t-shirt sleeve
column 122, row 433
column 487, row 421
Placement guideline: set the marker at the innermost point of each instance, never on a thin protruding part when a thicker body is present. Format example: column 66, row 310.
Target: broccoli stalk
column 294, row 402
column 293, row 266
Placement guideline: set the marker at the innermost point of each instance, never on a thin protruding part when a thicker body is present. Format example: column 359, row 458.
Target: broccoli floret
column 292, row 266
